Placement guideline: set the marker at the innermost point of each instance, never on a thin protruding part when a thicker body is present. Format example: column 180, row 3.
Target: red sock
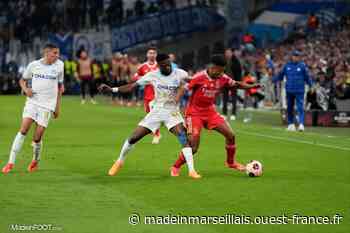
column 157, row 133
column 230, row 153
column 180, row 161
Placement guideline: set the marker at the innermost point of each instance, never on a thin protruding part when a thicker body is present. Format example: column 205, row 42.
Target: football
column 254, row 168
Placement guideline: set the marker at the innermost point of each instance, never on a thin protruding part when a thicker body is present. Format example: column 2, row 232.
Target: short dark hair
column 152, row 48
column 218, row 60
column 50, row 46
column 161, row 57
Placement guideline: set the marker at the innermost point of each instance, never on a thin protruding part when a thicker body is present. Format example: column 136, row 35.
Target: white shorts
column 39, row 114
column 154, row 119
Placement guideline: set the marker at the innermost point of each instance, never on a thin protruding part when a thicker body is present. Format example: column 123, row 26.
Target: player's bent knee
column 23, row 132
column 36, row 140
column 194, row 149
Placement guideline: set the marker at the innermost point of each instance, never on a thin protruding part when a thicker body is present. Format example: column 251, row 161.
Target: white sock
column 16, row 146
column 37, row 150
column 125, row 149
column 187, row 151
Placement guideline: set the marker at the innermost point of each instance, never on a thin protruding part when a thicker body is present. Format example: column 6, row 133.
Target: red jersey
column 141, row 71
column 204, row 91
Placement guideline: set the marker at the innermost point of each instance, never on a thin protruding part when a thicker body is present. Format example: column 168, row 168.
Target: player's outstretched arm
column 125, row 88
column 242, row 85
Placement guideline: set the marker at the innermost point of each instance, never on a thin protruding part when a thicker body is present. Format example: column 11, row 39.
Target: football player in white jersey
column 165, row 110
column 42, row 83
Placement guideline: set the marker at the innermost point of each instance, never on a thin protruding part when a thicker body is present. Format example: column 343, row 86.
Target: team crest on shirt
column 54, row 72
column 36, row 69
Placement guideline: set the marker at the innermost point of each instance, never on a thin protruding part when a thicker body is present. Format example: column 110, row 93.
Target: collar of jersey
column 162, row 75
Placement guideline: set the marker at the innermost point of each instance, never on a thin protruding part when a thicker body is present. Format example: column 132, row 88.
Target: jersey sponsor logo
column 208, row 93
column 166, row 87
column 44, row 76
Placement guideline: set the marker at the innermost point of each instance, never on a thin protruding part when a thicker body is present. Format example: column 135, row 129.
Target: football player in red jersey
column 148, row 96
column 201, row 111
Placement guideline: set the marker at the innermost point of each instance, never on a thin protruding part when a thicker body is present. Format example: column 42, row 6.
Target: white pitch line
column 311, row 133
column 294, row 140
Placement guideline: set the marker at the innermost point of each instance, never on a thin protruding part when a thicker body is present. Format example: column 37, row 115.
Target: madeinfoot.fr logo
column 34, row 227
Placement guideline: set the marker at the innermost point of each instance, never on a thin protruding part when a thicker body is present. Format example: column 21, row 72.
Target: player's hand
column 61, row 89
column 56, row 114
column 28, row 92
column 258, row 85
column 104, row 87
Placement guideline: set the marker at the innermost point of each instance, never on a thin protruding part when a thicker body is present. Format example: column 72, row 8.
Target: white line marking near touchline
column 294, row 140
column 310, row 133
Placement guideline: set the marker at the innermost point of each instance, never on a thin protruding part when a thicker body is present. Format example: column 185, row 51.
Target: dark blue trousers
column 291, row 99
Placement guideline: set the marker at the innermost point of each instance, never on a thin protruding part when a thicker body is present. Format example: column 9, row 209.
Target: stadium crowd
column 24, row 19
column 326, row 53
column 325, row 50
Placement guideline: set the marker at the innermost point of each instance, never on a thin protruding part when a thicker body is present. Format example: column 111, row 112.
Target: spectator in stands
column 85, row 76
column 106, row 69
column 172, row 58
column 252, row 97
column 269, row 88
column 343, row 84
column 311, row 100
column 125, row 78
column 234, row 70
column 116, row 63
column 137, row 95
column 97, row 74
column 249, row 42
column 70, row 68
column 327, row 86
column 312, row 24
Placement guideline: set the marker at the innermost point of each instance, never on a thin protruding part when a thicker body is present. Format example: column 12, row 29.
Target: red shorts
column 85, row 77
column 197, row 122
column 147, row 105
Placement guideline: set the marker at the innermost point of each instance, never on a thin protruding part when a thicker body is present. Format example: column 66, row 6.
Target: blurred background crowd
column 325, row 49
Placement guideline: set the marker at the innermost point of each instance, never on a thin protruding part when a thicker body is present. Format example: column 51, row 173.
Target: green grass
column 307, row 174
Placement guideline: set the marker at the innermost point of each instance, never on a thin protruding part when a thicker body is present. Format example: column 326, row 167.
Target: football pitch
column 306, row 177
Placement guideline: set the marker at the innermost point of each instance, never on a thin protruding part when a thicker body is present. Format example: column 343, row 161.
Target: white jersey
column 44, row 82
column 165, row 87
